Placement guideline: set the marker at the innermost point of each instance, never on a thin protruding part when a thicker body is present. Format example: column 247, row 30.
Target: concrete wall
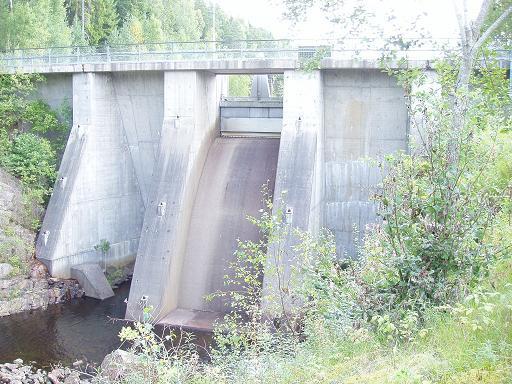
column 56, row 90
column 249, row 116
column 365, row 116
column 191, row 122
column 140, row 97
column 97, row 196
column 139, row 142
column 298, row 185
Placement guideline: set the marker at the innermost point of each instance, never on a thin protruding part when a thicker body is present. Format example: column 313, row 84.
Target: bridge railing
column 360, row 49
column 166, row 51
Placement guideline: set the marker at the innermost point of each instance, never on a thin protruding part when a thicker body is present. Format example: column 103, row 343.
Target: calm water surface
column 84, row 329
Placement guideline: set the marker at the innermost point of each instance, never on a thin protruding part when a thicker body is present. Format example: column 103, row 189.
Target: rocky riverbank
column 23, row 294
column 112, row 368
column 18, row 372
column 24, row 282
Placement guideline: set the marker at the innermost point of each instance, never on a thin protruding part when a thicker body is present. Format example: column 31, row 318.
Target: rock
column 18, row 362
column 4, row 308
column 56, row 375
column 5, row 270
column 38, row 270
column 11, row 367
column 73, row 378
column 115, row 364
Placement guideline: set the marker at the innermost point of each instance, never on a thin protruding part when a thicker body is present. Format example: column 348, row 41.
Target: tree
column 102, row 21
column 59, row 33
column 36, row 23
column 473, row 35
column 181, row 20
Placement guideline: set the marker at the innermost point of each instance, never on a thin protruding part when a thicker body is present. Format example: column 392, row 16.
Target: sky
column 439, row 19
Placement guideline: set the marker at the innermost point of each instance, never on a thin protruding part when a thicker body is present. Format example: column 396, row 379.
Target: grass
column 473, row 345
column 470, row 342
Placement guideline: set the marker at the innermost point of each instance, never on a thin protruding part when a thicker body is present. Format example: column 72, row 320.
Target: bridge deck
column 235, row 66
column 237, row 56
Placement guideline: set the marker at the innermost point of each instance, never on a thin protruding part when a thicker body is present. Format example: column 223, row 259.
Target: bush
column 240, row 85
column 32, row 160
column 45, row 122
column 32, row 137
column 437, row 213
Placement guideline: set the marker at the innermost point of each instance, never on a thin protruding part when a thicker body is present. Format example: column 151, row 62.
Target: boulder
column 38, row 271
column 115, row 364
column 5, row 270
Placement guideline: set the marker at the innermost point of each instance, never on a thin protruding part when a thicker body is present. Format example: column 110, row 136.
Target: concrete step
column 191, row 319
column 93, row 281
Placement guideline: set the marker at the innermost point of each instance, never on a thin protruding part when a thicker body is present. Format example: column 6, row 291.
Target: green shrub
column 46, row 123
column 32, row 138
column 32, row 160
column 438, row 210
column 240, row 85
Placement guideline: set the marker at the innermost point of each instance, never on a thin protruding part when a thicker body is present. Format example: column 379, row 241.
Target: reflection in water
column 79, row 330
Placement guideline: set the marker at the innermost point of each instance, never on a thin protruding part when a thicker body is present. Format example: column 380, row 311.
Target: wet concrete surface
column 229, row 191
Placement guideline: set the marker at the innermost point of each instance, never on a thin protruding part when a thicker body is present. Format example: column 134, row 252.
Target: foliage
column 103, row 246
column 453, row 345
column 32, row 160
column 43, row 23
column 502, row 36
column 33, row 24
column 15, row 251
column 312, row 62
column 169, row 357
column 114, row 277
column 32, row 137
column 47, row 123
column 102, row 21
column 240, row 85
column 277, row 85
column 14, row 93
column 442, row 226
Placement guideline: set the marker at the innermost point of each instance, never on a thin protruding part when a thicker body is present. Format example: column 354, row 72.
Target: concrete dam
column 164, row 166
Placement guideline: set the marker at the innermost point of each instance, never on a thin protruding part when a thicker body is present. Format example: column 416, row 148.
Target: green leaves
column 31, row 159
column 31, row 135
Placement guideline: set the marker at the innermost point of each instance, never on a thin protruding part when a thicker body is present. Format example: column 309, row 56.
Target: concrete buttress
column 191, row 122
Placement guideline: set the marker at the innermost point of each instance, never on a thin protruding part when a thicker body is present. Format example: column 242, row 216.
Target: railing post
column 138, row 52
column 510, row 73
column 107, row 47
column 49, row 56
column 77, row 55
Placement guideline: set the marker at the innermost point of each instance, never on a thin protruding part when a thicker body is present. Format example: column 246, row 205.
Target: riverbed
column 83, row 329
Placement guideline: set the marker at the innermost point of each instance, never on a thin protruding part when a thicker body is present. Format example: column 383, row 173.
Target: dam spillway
column 229, row 190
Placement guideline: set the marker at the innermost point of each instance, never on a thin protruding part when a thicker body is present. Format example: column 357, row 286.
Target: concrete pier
column 191, row 122
column 96, row 195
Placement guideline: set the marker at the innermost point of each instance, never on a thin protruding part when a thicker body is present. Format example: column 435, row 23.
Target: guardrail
column 187, row 50
column 362, row 49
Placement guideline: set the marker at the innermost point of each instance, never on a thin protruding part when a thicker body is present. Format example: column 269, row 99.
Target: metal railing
column 186, row 51
column 359, row 49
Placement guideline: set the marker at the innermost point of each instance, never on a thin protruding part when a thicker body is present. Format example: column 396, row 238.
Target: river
column 83, row 329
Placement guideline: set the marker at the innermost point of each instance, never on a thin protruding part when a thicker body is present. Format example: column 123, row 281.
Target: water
column 83, row 329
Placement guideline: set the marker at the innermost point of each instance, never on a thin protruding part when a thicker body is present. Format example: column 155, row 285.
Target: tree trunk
column 473, row 37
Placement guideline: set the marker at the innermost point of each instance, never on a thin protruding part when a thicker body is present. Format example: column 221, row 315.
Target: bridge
column 222, row 56
column 166, row 167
